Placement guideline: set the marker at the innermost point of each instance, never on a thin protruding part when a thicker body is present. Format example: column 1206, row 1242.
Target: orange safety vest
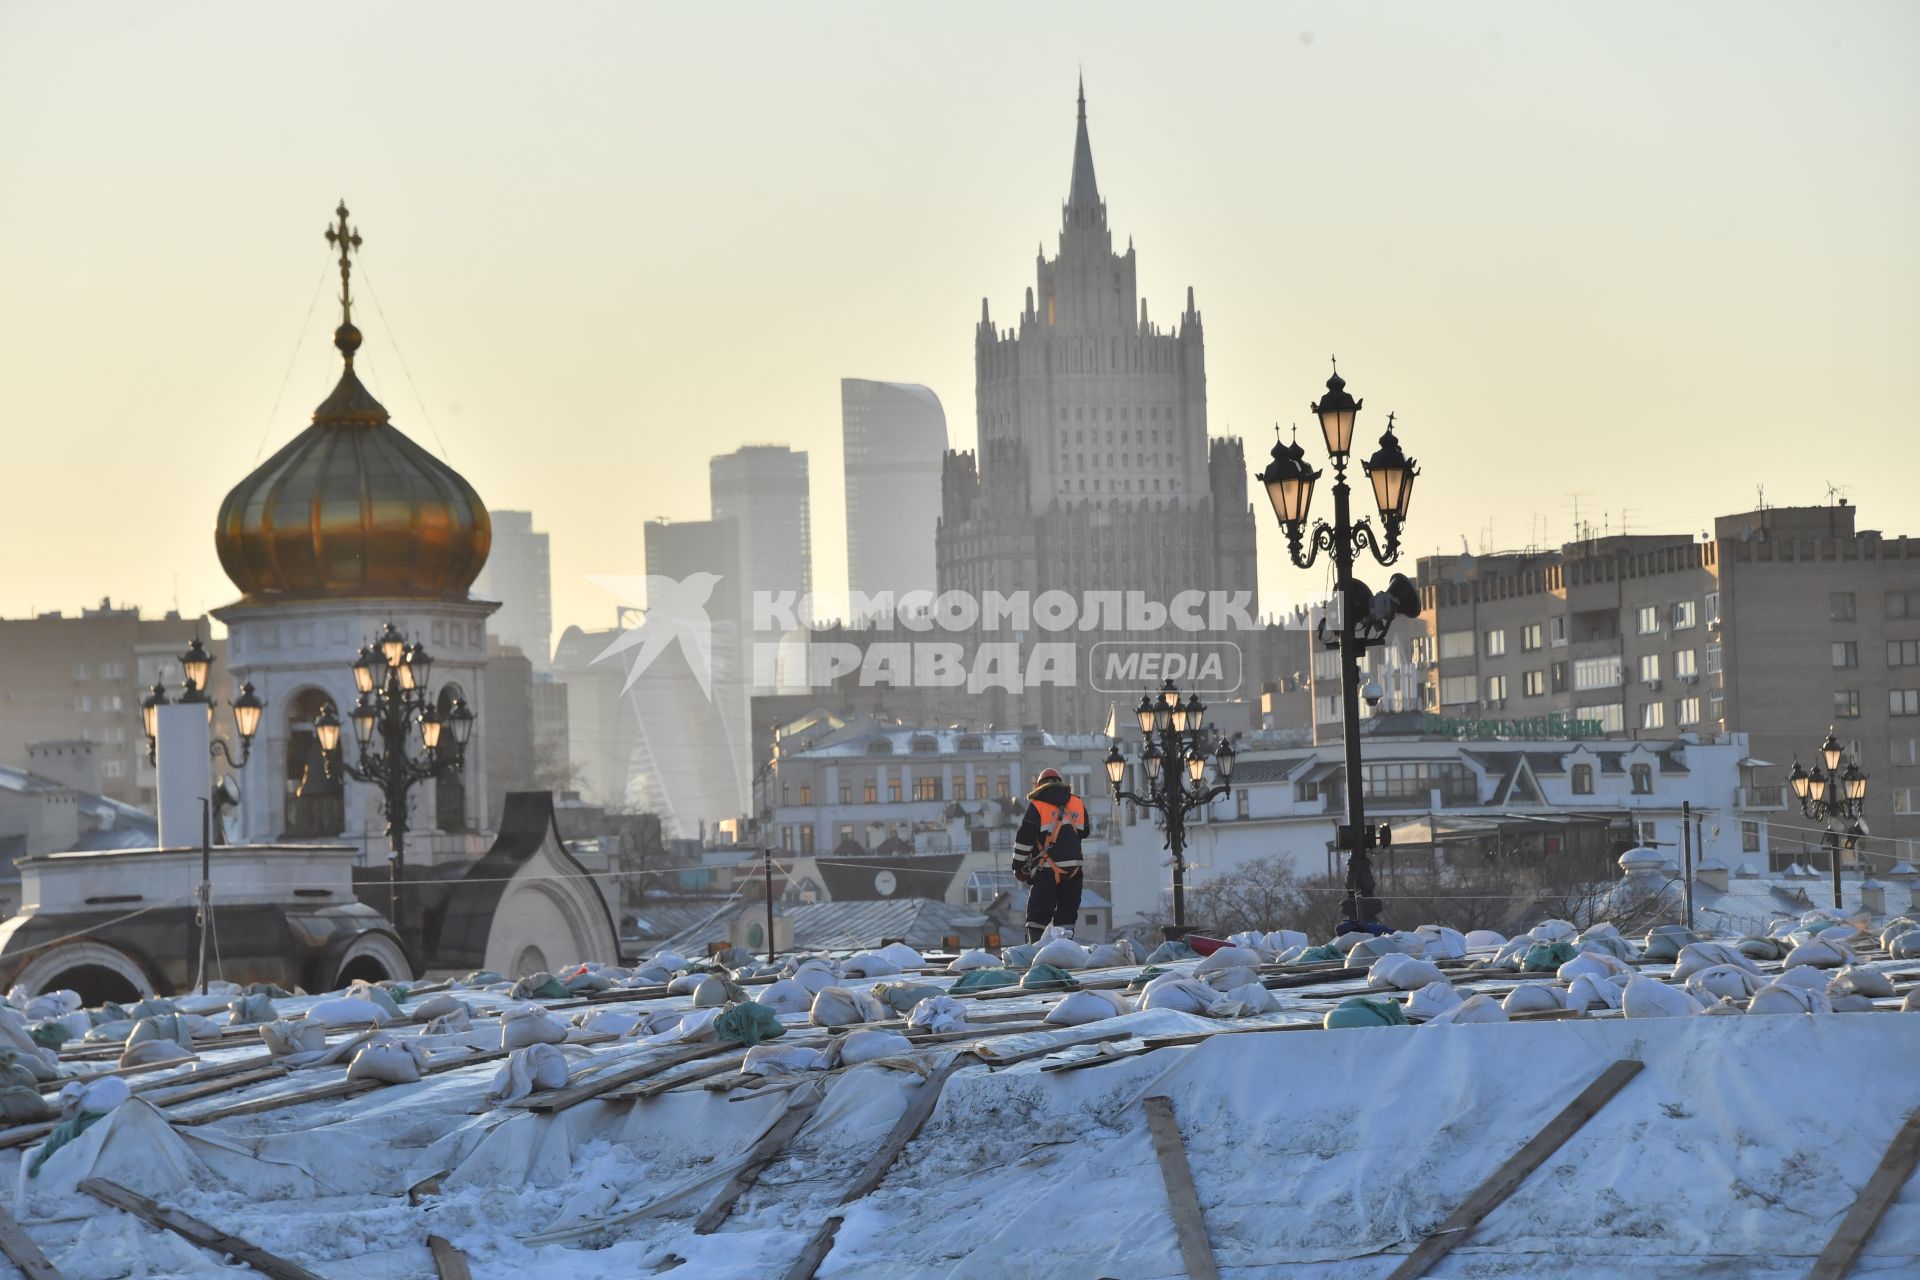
column 1052, row 817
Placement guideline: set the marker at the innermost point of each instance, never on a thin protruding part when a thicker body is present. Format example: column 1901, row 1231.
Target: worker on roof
column 1047, row 857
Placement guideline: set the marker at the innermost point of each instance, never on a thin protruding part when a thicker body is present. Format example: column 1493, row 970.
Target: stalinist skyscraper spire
column 1094, row 470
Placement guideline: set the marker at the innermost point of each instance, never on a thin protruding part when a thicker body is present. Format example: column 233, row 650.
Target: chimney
column 1873, row 898
column 1903, row 873
column 1712, row 874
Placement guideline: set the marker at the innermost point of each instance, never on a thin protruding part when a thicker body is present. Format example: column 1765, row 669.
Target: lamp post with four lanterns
column 1829, row 795
column 392, row 677
column 1364, row 616
column 1173, row 763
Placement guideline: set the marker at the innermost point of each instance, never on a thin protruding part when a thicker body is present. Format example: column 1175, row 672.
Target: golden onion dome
column 351, row 506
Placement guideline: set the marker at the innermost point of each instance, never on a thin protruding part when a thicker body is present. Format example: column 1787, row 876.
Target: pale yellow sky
column 1649, row 254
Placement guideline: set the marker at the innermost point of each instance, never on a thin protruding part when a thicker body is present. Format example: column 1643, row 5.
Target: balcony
column 1769, row 797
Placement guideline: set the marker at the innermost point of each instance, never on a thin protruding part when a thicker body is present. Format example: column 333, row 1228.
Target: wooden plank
column 918, row 1108
column 815, row 1252
column 22, row 1251
column 653, row 1088
column 427, row 1186
column 1177, row 1174
column 764, row 1153
column 598, row 1086
column 254, row 1106
column 1504, row 1180
column 448, row 1260
column 1896, row 1166
column 203, row 1234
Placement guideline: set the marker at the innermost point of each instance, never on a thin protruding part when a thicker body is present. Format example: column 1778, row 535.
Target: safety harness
column 1042, row 852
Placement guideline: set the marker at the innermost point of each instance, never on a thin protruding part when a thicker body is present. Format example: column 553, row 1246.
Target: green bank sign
column 1553, row 726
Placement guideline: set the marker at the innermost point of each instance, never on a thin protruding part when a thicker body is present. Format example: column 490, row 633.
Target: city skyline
column 1684, row 238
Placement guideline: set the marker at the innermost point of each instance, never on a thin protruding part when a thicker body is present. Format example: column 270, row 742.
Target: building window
column 1534, row 683
column 1903, row 604
column 806, row 840
column 1496, row 688
column 1002, row 789
column 786, row 793
column 1713, row 659
column 1454, row 690
column 1649, row 619
column 786, row 838
column 1906, row 800
column 846, row 793
column 806, row 793
column 1415, row 782
column 1303, row 792
column 1642, row 775
column 1840, row 606
column 113, row 768
column 1846, row 704
column 111, row 702
column 1713, row 607
column 1557, row 632
column 1901, row 702
column 872, row 795
column 1749, row 837
column 79, row 671
column 1240, row 803
column 1612, row 716
column 1583, row 779
column 926, row 788
column 1559, row 674
column 1653, row 715
column 1684, row 665
column 1905, row 750
column 1716, row 707
column 1530, row 637
column 1846, row 653
column 1903, row 653
column 1497, row 643
column 980, row 787
column 1456, row 644
column 83, row 703
column 1597, row 673
column 1649, row 668
column 1685, row 617
column 1687, row 711
column 893, row 790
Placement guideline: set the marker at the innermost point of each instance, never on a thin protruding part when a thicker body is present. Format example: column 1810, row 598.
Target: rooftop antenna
column 1837, row 494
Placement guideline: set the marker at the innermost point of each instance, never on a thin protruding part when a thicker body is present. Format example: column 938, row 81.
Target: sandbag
column 1723, row 981
column 342, row 1011
column 1780, row 997
column 785, row 996
column 1860, row 980
column 1283, row 939
column 1320, row 955
column 714, row 992
column 537, row 1067
column 83, row 1104
column 1607, row 945
column 1046, row 977
column 1228, row 979
column 1805, row 976
column 973, row 959
column 1479, row 939
column 1065, row 953
column 1443, row 943
column 1169, row 952
column 985, row 979
column 1547, row 957
column 783, row 1060
column 539, row 986
column 868, row 964
column 903, row 956
column 249, row 1010
column 1587, row 991
column 391, row 1062
column 148, row 1052
column 1175, row 991
column 843, row 1006
column 1534, row 997
column 868, row 1045
column 1754, row 948
column 1402, row 973
column 50, row 1034
column 1906, row 946
column 612, row 1022
column 1911, row 1004
column 1820, row 954
column 1553, row 931
column 1431, row 1000
column 1646, row 997
column 23, row 1104
column 1598, row 963
column 439, row 1006
column 377, row 995
column 1112, row 955
column 1228, row 958
column 284, row 1038
column 1369, row 949
column 1696, row 956
column 530, row 1024
column 939, row 1014
column 586, row 982
column 1475, row 1009
column 749, row 1023
column 816, row 975
column 167, row 1026
column 1849, row 1002
column 1664, row 941
column 1364, row 1011
column 1252, row 998
column 1895, row 927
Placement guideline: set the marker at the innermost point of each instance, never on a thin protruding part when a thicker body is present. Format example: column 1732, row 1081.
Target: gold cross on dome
column 346, row 239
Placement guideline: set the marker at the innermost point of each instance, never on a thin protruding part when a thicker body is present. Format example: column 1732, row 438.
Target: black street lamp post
column 392, row 677
column 1830, row 795
column 1364, row 616
column 1173, row 760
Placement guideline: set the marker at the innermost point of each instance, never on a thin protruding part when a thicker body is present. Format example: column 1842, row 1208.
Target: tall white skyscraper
column 894, row 435
column 518, row 575
column 762, row 488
